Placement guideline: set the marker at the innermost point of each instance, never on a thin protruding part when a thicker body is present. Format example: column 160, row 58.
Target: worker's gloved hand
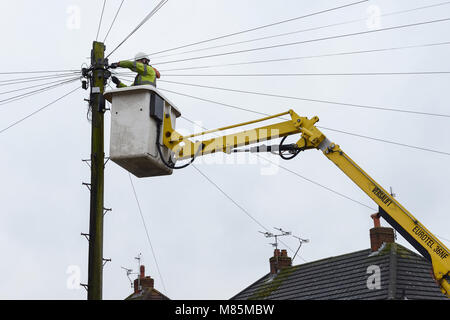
column 115, row 80
column 114, row 65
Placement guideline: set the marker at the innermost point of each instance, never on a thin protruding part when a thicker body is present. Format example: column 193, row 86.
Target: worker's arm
column 136, row 67
column 140, row 68
column 158, row 75
column 118, row 83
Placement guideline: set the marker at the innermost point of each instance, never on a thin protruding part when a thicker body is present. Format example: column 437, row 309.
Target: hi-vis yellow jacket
column 146, row 74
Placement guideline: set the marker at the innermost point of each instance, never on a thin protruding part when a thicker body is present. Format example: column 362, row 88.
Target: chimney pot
column 143, row 282
column 279, row 261
column 376, row 220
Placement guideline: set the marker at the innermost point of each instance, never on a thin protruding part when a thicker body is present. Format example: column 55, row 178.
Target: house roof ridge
column 251, row 285
column 160, row 293
column 393, row 272
column 410, row 251
column 329, row 258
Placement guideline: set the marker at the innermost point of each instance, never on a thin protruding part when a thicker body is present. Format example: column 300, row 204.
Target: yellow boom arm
column 311, row 137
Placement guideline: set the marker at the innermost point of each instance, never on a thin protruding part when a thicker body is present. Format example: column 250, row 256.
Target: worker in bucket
column 146, row 74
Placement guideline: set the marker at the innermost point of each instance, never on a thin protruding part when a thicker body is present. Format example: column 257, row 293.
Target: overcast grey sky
column 206, row 247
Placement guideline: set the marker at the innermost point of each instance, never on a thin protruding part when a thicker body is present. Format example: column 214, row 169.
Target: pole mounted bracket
column 88, row 185
column 87, row 161
column 105, row 261
column 86, row 236
column 104, row 164
column 106, row 210
column 85, row 286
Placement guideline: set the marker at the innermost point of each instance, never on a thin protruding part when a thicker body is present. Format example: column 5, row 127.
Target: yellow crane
column 312, row 138
column 172, row 146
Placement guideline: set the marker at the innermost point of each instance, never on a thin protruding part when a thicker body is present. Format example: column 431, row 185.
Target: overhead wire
column 38, row 110
column 237, row 204
column 387, row 141
column 147, row 17
column 37, row 79
column 30, row 87
column 310, row 74
column 295, row 98
column 321, row 185
column 60, row 78
column 114, row 20
column 325, row 128
column 101, row 18
column 32, row 93
column 147, row 233
column 308, row 57
column 50, row 85
column 47, row 71
column 229, row 198
column 352, row 105
column 260, row 27
column 376, row 108
column 305, row 30
column 40, row 77
column 307, row 41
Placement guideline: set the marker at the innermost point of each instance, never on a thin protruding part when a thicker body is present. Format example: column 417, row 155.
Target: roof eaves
column 250, row 286
column 269, row 287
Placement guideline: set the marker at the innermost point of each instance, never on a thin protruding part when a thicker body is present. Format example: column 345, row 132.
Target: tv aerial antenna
column 301, row 241
column 281, row 233
column 130, row 272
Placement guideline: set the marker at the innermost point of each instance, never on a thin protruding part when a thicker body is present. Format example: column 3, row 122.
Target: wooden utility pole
column 98, row 79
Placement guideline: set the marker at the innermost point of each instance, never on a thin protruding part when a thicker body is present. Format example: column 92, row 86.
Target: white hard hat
column 141, row 55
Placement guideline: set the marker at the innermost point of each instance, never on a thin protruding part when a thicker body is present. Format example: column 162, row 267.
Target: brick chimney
column 279, row 261
column 143, row 282
column 379, row 234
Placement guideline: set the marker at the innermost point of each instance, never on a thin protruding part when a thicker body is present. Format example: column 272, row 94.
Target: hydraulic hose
column 295, row 153
column 167, row 164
